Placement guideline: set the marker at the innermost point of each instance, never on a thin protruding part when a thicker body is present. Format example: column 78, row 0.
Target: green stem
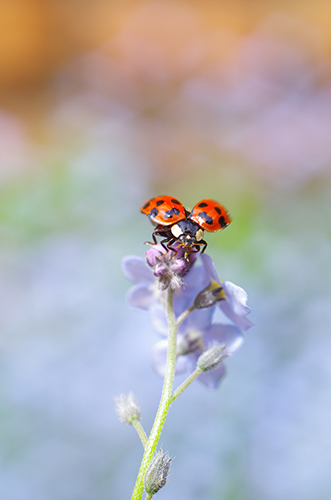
column 165, row 402
column 184, row 315
column 140, row 431
column 149, row 497
column 185, row 384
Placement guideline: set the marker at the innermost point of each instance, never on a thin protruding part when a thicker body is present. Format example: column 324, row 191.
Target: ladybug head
column 187, row 241
column 187, row 233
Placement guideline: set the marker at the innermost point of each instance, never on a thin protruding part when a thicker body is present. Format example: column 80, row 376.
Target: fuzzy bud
column 212, row 357
column 127, row 409
column 157, row 473
column 169, row 267
column 209, row 296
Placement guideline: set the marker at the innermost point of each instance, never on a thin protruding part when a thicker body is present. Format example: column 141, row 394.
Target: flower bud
column 209, row 296
column 169, row 267
column 157, row 472
column 127, row 409
column 211, row 357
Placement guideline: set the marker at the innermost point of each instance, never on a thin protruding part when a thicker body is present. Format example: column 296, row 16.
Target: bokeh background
column 104, row 104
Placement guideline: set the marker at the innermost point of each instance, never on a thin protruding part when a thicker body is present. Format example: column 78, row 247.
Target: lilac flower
column 155, row 273
column 195, row 335
column 144, row 293
column 234, row 305
column 198, row 290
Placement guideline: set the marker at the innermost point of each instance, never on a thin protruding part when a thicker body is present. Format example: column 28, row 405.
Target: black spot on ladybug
column 153, row 212
column 218, row 210
column 222, row 222
column 160, row 202
column 206, row 218
column 203, row 204
column 175, row 201
column 170, row 213
column 146, row 204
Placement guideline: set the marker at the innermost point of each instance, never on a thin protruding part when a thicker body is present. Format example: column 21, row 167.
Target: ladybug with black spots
column 176, row 224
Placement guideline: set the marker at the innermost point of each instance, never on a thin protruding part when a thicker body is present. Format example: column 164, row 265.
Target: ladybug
column 174, row 223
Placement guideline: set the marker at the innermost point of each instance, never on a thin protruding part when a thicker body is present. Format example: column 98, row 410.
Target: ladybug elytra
column 176, row 224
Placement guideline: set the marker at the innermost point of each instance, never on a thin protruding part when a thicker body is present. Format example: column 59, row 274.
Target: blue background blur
column 104, row 104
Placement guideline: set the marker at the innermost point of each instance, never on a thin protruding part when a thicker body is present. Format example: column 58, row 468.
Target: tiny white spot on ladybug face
column 176, row 230
column 199, row 234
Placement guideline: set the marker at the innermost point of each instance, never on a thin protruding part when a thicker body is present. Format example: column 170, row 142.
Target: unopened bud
column 157, row 473
column 209, row 296
column 169, row 266
column 127, row 409
column 211, row 357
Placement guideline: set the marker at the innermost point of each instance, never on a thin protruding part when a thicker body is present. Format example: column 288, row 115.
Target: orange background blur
column 37, row 37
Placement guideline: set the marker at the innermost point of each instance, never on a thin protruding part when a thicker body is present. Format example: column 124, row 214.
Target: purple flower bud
column 169, row 267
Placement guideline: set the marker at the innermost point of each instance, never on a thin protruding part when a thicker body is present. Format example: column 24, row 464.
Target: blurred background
column 104, row 104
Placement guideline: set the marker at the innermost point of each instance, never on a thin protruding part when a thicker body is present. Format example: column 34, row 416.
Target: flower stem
column 165, row 402
column 184, row 315
column 140, row 431
column 186, row 383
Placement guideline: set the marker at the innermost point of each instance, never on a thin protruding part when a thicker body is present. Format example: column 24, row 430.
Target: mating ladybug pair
column 176, row 224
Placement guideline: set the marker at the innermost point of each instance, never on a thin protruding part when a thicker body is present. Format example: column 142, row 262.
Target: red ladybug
column 174, row 223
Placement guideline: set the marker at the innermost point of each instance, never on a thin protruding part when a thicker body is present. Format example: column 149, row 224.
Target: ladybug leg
column 204, row 244
column 170, row 242
column 164, row 241
column 196, row 248
column 154, row 239
column 149, row 242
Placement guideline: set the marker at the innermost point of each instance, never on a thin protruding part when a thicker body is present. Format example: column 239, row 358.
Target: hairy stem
column 186, row 383
column 184, row 315
column 140, row 431
column 165, row 402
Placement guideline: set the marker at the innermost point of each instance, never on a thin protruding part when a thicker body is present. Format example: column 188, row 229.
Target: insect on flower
column 176, row 224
